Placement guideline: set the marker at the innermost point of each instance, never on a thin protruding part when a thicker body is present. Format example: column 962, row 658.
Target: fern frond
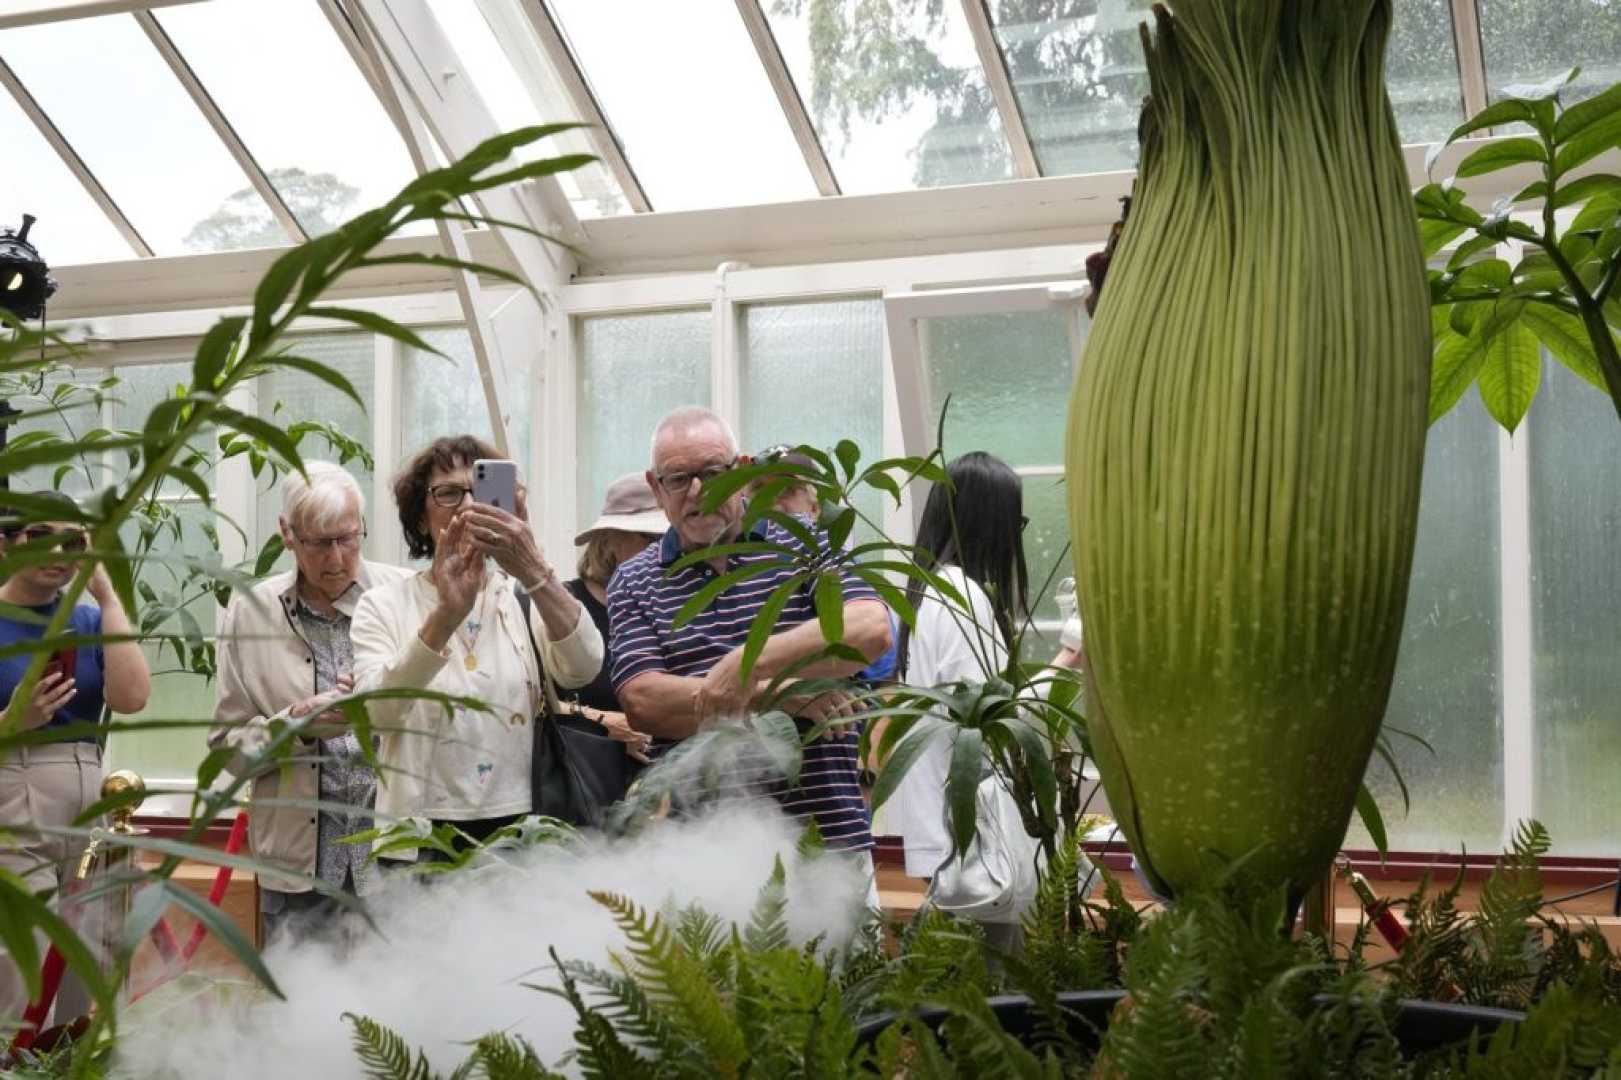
column 676, row 981
column 768, row 922
column 498, row 1056
column 384, row 1053
column 632, row 1013
column 600, row 1053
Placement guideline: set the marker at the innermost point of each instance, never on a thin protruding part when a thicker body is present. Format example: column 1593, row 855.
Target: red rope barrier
column 163, row 939
column 50, row 978
column 222, row 881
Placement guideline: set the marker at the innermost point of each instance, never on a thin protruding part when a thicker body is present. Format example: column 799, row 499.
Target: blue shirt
column 643, row 599
column 87, row 673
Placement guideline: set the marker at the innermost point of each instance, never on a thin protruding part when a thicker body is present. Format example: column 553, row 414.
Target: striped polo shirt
column 643, row 599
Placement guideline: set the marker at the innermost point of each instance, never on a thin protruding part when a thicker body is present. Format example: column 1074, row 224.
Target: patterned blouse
column 345, row 776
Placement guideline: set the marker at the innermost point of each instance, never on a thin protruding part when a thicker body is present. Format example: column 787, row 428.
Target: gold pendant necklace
column 469, row 635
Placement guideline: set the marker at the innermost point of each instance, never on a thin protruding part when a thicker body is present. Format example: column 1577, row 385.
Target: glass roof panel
column 71, row 228
column 535, row 98
column 323, row 138
column 701, row 128
column 114, row 99
column 1531, row 43
column 897, row 94
column 1080, row 80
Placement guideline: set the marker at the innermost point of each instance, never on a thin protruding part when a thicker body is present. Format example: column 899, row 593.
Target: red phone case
column 66, row 661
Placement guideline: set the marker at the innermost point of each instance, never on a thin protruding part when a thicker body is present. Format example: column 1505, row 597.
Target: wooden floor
column 900, row 896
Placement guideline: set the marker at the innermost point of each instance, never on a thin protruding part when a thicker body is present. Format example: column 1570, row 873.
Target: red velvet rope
column 163, row 939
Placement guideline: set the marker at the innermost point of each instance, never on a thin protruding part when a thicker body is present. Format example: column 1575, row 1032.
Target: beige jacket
column 265, row 667
column 470, row 763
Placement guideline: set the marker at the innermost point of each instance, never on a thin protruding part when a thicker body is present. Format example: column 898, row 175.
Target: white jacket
column 466, row 764
column 946, row 645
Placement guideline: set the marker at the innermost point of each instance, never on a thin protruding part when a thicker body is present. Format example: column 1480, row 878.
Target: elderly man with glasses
column 675, row 681
column 285, row 654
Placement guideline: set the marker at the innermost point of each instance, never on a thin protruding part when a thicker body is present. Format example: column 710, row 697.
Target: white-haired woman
column 285, row 653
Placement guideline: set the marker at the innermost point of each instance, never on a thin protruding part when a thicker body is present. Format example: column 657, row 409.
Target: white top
column 947, row 645
column 472, row 764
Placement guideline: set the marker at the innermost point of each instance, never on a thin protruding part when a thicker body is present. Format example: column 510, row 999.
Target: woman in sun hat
column 630, row 520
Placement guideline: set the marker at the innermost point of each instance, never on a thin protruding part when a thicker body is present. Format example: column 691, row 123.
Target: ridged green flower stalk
column 1246, row 440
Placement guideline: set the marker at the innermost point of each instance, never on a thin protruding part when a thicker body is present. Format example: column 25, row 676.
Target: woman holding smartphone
column 457, row 628
column 52, row 783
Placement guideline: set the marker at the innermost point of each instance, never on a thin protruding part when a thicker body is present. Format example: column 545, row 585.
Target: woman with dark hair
column 971, row 536
column 459, row 628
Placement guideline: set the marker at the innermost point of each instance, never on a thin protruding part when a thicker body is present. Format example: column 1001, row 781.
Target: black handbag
column 577, row 771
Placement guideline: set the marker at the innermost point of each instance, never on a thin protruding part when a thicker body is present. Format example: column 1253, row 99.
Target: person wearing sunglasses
column 285, row 655
column 52, row 783
column 458, row 628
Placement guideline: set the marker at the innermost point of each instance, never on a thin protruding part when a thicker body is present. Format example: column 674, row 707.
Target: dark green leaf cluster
column 690, row 998
column 1510, row 953
column 1491, row 319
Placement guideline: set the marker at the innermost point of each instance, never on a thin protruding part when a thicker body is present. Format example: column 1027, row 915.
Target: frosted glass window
column 1530, row 43
column 140, row 388
column 537, row 97
column 814, row 373
column 71, row 227
column 288, row 397
column 322, row 138
column 1446, row 688
column 1080, row 81
column 1046, row 543
column 1008, row 377
column 68, row 415
column 702, row 128
column 896, row 92
column 173, row 754
column 137, row 130
column 633, row 370
column 1575, row 448
column 1421, row 71
column 446, row 397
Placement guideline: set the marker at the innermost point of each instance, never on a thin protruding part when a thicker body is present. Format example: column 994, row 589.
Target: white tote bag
column 995, row 882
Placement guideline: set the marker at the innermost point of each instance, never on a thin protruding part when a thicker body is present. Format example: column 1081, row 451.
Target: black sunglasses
column 69, row 539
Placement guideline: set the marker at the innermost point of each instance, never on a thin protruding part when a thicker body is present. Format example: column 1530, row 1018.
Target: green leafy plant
column 1492, row 319
column 166, row 450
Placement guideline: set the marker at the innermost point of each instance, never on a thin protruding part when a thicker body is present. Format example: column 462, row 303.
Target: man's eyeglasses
column 679, row 483
column 346, row 542
column 449, row 496
column 65, row 539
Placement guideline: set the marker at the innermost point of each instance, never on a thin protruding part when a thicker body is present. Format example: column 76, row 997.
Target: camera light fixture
column 25, row 280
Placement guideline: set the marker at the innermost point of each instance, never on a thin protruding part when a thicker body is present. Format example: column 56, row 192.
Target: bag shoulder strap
column 547, row 691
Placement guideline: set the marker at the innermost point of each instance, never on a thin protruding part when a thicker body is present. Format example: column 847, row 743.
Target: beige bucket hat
column 628, row 506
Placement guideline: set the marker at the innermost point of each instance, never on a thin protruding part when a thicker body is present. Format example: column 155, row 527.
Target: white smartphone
column 495, row 483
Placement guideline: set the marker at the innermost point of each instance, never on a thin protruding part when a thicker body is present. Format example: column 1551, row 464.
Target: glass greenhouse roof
column 208, row 125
